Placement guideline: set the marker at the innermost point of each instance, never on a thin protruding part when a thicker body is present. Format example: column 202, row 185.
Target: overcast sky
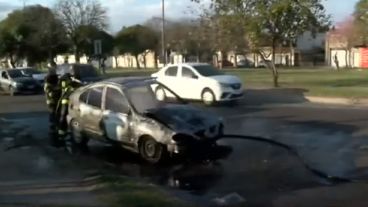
column 129, row 12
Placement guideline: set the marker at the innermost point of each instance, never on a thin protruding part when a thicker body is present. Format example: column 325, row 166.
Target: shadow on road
column 259, row 97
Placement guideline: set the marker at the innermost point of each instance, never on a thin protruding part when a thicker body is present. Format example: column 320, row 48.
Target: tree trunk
column 156, row 59
column 145, row 60
column 235, row 61
column 346, row 58
column 116, row 61
column 275, row 73
column 12, row 61
column 136, row 59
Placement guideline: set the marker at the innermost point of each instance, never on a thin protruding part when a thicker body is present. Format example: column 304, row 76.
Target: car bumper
column 230, row 95
column 28, row 90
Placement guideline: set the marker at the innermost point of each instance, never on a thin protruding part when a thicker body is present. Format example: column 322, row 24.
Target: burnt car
column 85, row 73
column 125, row 111
column 13, row 81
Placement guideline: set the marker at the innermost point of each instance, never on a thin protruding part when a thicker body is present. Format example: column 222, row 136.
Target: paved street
column 329, row 139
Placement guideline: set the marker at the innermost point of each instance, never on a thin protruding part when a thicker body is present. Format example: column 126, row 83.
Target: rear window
column 84, row 71
column 95, row 97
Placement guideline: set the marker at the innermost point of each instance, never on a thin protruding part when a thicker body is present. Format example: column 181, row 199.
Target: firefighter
column 52, row 93
column 68, row 85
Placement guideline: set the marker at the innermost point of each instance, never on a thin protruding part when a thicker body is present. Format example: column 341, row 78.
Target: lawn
column 318, row 82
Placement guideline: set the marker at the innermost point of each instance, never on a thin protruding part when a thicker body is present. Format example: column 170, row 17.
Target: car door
column 169, row 79
column 91, row 112
column 189, row 84
column 116, row 119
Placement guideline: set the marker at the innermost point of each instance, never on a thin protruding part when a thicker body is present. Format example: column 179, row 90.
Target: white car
column 198, row 81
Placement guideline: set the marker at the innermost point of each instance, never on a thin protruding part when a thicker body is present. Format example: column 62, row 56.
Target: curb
column 338, row 101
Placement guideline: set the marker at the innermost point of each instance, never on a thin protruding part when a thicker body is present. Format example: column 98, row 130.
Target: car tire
column 160, row 94
column 151, row 151
column 208, row 97
column 11, row 91
column 78, row 139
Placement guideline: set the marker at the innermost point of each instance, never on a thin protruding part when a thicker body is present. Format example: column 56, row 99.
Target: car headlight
column 225, row 85
column 17, row 84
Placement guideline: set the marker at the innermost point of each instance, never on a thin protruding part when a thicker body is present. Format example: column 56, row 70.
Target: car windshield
column 207, row 70
column 15, row 73
column 30, row 71
column 142, row 98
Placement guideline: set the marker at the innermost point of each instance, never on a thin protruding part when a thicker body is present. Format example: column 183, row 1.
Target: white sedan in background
column 198, row 81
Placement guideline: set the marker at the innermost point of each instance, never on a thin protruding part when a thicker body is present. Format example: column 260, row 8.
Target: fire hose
column 319, row 173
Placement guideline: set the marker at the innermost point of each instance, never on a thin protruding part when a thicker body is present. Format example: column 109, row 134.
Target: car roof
column 131, row 81
column 189, row 64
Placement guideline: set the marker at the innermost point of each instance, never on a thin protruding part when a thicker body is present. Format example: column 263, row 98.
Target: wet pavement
column 330, row 139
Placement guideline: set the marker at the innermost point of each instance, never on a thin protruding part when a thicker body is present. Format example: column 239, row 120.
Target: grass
column 317, row 82
column 127, row 192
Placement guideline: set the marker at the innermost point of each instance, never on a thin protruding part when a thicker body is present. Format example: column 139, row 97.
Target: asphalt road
column 328, row 138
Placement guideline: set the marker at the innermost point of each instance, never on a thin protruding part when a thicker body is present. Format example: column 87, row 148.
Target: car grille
column 209, row 132
column 236, row 95
column 236, row 86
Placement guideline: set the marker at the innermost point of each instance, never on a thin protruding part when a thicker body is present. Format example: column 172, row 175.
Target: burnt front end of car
column 197, row 143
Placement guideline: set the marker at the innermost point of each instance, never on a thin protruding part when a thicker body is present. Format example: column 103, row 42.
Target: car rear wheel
column 208, row 97
column 151, row 151
column 77, row 137
column 160, row 94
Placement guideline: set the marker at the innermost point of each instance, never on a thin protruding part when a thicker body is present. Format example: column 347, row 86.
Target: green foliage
column 361, row 20
column 136, row 40
column 32, row 33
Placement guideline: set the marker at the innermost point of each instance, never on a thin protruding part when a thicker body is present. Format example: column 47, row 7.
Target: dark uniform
column 67, row 87
column 52, row 93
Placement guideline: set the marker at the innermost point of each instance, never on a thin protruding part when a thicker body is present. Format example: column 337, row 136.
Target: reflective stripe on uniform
column 50, row 94
column 63, row 84
column 64, row 101
column 61, row 132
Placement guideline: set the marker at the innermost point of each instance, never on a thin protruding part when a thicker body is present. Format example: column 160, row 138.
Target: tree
column 76, row 14
column 347, row 35
column 136, row 40
column 271, row 22
column 32, row 33
column 361, row 20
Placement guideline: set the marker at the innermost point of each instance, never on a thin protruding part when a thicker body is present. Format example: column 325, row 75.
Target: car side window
column 95, row 97
column 4, row 75
column 84, row 97
column 187, row 73
column 172, row 71
column 116, row 101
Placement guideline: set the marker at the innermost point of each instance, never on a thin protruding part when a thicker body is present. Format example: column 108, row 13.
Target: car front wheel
column 160, row 94
column 208, row 97
column 151, row 151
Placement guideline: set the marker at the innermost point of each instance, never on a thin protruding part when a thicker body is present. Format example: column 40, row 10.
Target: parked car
column 245, row 63
column 199, row 81
column 264, row 64
column 13, row 81
column 85, row 73
column 33, row 73
column 125, row 111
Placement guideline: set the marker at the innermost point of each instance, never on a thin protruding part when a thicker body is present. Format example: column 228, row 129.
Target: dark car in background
column 13, row 81
column 85, row 73
column 33, row 73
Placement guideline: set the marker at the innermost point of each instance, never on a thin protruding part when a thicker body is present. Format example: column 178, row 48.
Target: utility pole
column 163, row 34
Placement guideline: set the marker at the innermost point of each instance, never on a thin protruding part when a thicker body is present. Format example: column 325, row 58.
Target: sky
column 128, row 12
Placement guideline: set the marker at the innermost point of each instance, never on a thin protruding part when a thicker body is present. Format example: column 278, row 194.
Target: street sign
column 98, row 47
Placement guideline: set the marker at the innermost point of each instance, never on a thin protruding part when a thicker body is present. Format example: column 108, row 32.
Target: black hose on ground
column 333, row 179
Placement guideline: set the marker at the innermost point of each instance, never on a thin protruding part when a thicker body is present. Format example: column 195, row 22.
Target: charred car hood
column 183, row 118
